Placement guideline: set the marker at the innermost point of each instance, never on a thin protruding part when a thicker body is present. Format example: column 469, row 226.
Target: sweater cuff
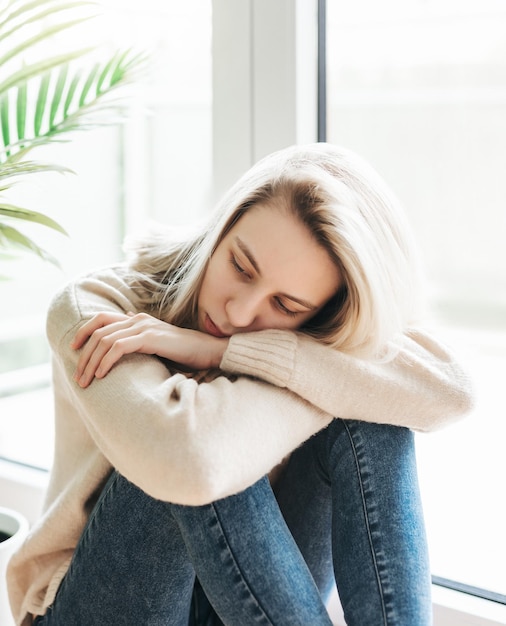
column 267, row 354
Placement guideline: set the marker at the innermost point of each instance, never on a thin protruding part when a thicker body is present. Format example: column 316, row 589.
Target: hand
column 107, row 337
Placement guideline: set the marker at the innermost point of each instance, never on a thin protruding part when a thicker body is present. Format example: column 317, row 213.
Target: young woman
column 234, row 417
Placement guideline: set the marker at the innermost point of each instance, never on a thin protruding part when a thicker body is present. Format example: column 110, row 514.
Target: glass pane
column 125, row 176
column 419, row 88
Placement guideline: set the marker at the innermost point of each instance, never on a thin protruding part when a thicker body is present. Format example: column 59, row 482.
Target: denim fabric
column 347, row 505
column 351, row 500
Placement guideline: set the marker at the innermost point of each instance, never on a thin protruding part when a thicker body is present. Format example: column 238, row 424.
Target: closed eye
column 284, row 309
column 238, row 267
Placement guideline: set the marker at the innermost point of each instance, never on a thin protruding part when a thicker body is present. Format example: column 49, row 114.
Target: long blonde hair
column 348, row 209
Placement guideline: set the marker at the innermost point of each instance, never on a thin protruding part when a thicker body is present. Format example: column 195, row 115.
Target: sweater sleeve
column 423, row 387
column 176, row 439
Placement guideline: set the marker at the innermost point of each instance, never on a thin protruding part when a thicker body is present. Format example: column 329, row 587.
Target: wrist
column 218, row 350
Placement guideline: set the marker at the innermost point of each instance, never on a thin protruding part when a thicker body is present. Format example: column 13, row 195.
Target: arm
column 107, row 337
column 422, row 388
column 177, row 440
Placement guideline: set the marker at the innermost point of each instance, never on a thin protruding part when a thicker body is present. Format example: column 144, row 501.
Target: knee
column 370, row 440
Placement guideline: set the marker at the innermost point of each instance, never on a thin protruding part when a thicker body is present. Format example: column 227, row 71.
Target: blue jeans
column 346, row 508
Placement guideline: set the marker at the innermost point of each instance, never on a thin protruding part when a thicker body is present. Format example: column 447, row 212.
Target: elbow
column 463, row 395
column 454, row 407
column 456, row 401
column 465, row 401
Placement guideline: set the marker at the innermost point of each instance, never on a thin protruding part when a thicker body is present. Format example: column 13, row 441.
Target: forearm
column 422, row 387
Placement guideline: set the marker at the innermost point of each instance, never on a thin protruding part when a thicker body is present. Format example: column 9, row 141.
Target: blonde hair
column 349, row 210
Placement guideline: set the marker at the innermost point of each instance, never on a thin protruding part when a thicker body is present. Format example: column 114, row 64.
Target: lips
column 211, row 328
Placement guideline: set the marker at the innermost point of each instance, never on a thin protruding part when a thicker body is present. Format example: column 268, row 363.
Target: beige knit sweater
column 192, row 443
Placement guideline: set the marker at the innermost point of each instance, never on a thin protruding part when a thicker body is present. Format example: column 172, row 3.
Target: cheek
column 295, row 323
column 213, row 283
column 291, row 325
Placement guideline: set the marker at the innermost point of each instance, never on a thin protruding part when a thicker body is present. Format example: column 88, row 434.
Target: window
column 418, row 87
column 125, row 176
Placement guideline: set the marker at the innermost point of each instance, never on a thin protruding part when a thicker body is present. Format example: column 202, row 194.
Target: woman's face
column 268, row 272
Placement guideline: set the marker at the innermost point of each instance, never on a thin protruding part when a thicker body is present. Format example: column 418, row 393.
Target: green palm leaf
column 58, row 93
column 21, row 106
column 15, row 167
column 71, row 91
column 4, row 118
column 84, row 97
column 16, row 212
column 33, row 70
column 8, row 25
column 12, row 237
column 68, row 94
column 41, row 104
column 44, row 35
column 87, row 84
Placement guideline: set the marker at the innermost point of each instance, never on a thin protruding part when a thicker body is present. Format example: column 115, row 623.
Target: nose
column 243, row 310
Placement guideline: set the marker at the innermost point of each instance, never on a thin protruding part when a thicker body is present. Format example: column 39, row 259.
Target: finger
column 120, row 348
column 95, row 347
column 99, row 357
column 97, row 321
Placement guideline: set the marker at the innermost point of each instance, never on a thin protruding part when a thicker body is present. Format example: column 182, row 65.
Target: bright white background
column 419, row 88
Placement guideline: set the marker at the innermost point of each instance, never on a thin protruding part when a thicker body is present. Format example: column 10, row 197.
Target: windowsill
column 454, row 608
column 22, row 488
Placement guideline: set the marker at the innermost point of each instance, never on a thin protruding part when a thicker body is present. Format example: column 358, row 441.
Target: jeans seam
column 236, row 565
column 367, row 522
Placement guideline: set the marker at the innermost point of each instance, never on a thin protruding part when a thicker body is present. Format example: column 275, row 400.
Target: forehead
column 288, row 257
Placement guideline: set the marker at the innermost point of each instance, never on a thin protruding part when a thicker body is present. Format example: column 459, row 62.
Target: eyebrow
column 249, row 255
